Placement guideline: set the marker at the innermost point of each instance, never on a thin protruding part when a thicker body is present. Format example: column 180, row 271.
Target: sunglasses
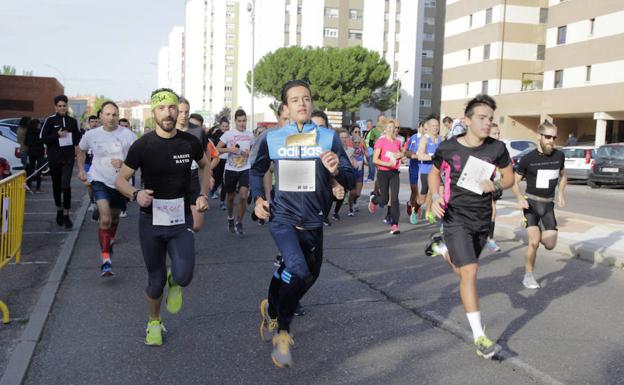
column 553, row 137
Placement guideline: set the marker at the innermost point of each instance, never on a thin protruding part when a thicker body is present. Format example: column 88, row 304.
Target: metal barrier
column 12, row 202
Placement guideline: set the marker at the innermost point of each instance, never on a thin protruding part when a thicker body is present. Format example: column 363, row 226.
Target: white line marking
column 45, row 232
column 41, row 212
column 30, row 263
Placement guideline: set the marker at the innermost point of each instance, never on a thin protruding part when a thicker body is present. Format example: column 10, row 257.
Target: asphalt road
column 381, row 312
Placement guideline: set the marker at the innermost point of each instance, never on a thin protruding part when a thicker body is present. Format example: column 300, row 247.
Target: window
column 430, row 3
column 427, row 53
column 427, row 36
column 354, row 14
column 543, row 16
column 386, row 16
column 592, row 23
column 299, row 9
column 484, row 87
column 429, row 21
column 486, row 52
column 229, row 47
column 469, row 53
column 229, row 36
column 558, row 79
column 227, row 89
column 425, row 86
column 541, row 52
column 561, row 34
column 355, row 34
column 330, row 32
column 425, row 102
column 488, row 16
column 229, row 15
column 427, row 70
column 230, row 26
column 587, row 73
column 331, row 13
column 229, row 57
column 470, row 21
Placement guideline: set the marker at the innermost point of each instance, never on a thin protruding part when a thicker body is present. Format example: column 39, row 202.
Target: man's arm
column 422, row 146
column 80, row 158
column 563, row 182
column 522, row 202
column 437, row 203
column 346, row 174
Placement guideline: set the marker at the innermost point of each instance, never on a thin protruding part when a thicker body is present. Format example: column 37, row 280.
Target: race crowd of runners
column 296, row 179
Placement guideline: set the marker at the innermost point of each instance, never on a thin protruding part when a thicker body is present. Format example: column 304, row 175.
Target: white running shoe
column 492, row 246
column 529, row 281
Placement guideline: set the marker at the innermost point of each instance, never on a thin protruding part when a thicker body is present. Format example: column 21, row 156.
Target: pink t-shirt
column 387, row 149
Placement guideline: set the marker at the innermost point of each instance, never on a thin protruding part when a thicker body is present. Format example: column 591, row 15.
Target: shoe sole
column 279, row 364
column 489, row 356
column 107, row 274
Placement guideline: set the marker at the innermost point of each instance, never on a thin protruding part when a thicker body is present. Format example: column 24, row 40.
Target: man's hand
column 523, row 203
column 338, row 191
column 144, row 197
column 488, row 186
column 262, row 209
column 62, row 133
column 117, row 163
column 201, row 203
column 561, row 201
column 82, row 176
column 330, row 161
column 437, row 207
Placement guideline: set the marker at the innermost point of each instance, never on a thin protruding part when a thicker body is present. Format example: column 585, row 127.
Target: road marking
column 466, row 335
column 45, row 232
column 41, row 212
column 31, row 263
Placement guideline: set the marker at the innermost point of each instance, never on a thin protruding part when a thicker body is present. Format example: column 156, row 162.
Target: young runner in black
column 164, row 157
column 543, row 169
column 468, row 162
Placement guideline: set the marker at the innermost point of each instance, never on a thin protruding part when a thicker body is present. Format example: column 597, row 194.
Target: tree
column 149, row 124
column 8, row 70
column 384, row 98
column 27, row 73
column 97, row 105
column 225, row 112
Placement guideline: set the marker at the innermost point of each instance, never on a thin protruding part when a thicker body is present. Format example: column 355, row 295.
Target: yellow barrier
column 12, row 201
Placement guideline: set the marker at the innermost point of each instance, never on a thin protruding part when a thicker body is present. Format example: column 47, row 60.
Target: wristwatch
column 134, row 195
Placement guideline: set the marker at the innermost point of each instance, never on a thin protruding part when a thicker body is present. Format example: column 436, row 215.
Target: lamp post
column 251, row 8
column 396, row 112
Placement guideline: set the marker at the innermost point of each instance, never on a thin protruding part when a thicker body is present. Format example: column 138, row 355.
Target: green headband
column 164, row 97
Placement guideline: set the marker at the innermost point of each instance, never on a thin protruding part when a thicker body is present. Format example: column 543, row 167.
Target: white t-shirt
column 106, row 146
column 245, row 140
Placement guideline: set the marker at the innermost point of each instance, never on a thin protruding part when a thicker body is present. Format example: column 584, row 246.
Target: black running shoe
column 59, row 217
column 67, row 222
column 231, row 226
column 299, row 311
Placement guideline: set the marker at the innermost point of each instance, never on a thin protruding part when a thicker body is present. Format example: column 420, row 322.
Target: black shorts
column 235, row 178
column 194, row 187
column 540, row 212
column 424, row 184
column 464, row 244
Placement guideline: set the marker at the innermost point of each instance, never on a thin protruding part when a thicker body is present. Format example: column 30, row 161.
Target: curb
column 585, row 250
column 21, row 356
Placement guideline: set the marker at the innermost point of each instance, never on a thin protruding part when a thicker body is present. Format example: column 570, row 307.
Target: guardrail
column 12, row 201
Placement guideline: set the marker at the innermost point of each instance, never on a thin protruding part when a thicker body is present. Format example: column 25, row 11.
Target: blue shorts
column 413, row 175
column 114, row 197
column 359, row 175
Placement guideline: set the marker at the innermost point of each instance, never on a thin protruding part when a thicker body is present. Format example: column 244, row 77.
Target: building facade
column 540, row 59
column 28, row 96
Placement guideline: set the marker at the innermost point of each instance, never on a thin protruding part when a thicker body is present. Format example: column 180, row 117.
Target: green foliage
column 225, row 112
column 341, row 79
column 8, row 70
column 384, row 98
column 98, row 104
column 149, row 123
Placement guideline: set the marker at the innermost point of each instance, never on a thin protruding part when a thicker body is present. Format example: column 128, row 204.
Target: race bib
column 66, row 140
column 475, row 171
column 168, row 212
column 390, row 155
column 544, row 177
column 297, row 175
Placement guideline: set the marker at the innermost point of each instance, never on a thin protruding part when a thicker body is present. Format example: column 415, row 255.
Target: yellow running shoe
column 153, row 333
column 268, row 325
column 281, row 349
column 174, row 295
column 486, row 348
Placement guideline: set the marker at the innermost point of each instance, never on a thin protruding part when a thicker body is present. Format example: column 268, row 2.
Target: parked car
column 578, row 161
column 12, row 123
column 10, row 150
column 608, row 166
column 515, row 146
column 8, row 132
column 515, row 160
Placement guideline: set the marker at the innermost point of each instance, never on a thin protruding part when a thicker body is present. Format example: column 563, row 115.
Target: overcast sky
column 93, row 47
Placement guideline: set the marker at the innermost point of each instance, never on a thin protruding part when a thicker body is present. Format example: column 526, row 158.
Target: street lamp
column 251, row 8
column 396, row 113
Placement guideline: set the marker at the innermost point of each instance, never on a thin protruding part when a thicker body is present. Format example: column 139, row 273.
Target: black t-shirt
column 166, row 164
column 465, row 207
column 541, row 172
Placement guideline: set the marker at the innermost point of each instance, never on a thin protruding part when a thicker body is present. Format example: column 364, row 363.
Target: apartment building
column 218, row 46
column 541, row 59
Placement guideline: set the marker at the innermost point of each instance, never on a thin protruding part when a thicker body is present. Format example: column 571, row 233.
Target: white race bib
column 66, row 140
column 297, row 175
column 475, row 171
column 168, row 212
column 544, row 177
column 390, row 155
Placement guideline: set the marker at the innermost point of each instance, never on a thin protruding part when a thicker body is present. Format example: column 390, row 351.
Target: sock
column 104, row 236
column 492, row 229
column 474, row 319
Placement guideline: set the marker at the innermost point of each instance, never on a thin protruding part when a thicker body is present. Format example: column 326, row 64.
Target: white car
column 9, row 150
column 516, row 146
column 578, row 161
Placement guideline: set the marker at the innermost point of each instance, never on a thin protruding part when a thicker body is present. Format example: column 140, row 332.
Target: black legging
column 61, row 173
column 34, row 163
column 217, row 174
column 389, row 182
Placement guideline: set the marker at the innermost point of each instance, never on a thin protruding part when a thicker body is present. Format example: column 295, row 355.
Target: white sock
column 440, row 248
column 474, row 319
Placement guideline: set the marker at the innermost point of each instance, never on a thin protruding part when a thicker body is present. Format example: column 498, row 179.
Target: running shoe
column 214, row 195
column 91, row 207
column 281, row 349
column 356, row 207
column 96, row 215
column 413, row 218
column 372, row 207
column 394, row 230
column 239, row 228
column 432, row 248
column 268, row 325
column 492, row 246
column 106, row 270
column 278, row 261
column 222, row 206
column 153, row 333
column 174, row 295
column 486, row 348
column 336, row 216
column 430, row 216
column 529, row 281
column 59, row 217
column 123, row 214
column 408, row 208
column 350, row 213
column 326, row 222
column 299, row 310
column 67, row 222
column 388, row 219
column 231, row 225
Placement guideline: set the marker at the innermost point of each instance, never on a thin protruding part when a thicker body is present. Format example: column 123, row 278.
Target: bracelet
column 135, row 194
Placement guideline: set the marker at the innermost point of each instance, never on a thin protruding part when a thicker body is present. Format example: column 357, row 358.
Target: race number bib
column 544, row 177
column 104, row 156
column 475, row 171
column 66, row 140
column 168, row 212
column 297, row 175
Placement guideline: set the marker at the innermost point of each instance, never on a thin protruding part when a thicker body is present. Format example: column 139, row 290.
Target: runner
column 109, row 146
column 465, row 207
column 164, row 157
column 426, row 148
column 387, row 156
column 491, row 243
column 61, row 136
column 544, row 171
column 182, row 124
column 307, row 158
column 411, row 152
column 358, row 160
column 123, row 122
column 219, row 171
column 36, row 154
column 372, row 135
column 236, row 144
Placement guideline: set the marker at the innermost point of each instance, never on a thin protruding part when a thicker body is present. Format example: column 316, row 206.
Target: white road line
column 31, row 263
column 41, row 212
column 466, row 335
column 45, row 232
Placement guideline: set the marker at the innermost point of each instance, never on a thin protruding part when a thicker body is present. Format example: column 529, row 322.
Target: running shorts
column 540, row 213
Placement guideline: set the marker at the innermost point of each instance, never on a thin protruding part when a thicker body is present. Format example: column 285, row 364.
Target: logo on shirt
column 303, row 151
column 182, row 158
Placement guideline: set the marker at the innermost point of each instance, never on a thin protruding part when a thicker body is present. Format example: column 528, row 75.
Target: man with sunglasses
column 544, row 171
